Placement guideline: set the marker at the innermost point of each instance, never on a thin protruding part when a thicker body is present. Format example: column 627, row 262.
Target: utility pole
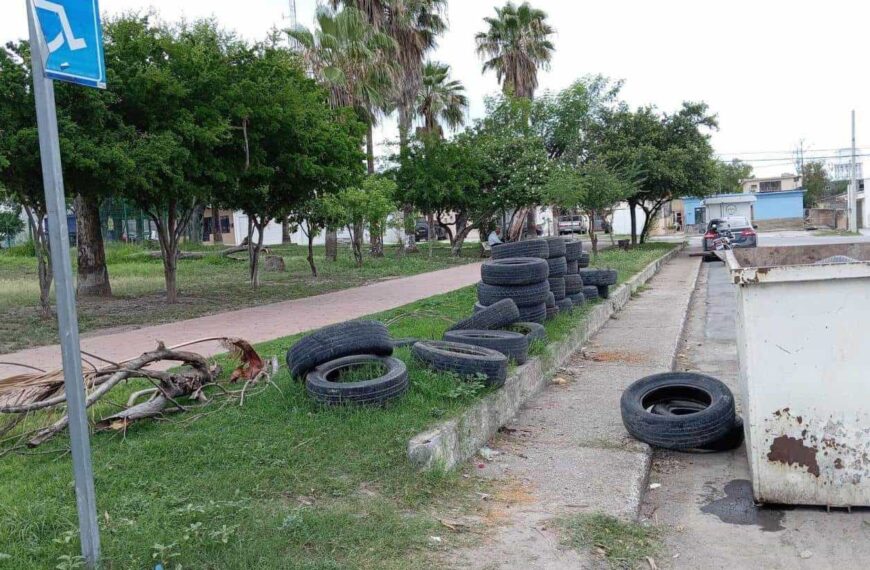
column 853, row 185
column 291, row 16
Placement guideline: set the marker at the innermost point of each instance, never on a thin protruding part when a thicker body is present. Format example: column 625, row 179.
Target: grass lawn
column 276, row 483
column 210, row 285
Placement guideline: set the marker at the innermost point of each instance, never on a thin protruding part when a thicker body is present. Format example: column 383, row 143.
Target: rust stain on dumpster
column 792, row 451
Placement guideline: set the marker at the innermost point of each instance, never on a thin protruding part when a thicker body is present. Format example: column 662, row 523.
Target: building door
column 701, row 218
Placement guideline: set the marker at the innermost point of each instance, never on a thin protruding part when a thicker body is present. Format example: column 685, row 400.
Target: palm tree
column 354, row 61
column 515, row 46
column 440, row 98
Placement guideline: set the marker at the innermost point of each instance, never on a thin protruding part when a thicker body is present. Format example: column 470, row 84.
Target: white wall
column 271, row 233
column 621, row 219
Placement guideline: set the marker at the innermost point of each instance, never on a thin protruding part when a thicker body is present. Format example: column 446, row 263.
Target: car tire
column 463, row 359
column 732, row 440
column 598, row 276
column 551, row 300
column 529, row 248
column 495, row 316
column 404, row 342
column 565, row 305
column 552, row 312
column 337, row 341
column 573, row 250
column 590, row 292
column 573, row 267
column 379, row 390
column 522, row 295
column 534, row 313
column 579, row 299
column 514, row 271
column 556, row 247
column 514, row 345
column 557, row 287
column 583, row 261
column 558, row 267
column 533, row 331
column 573, row 285
column 678, row 432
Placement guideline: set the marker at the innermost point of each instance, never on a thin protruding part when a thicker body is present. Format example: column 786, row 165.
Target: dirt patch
column 615, row 356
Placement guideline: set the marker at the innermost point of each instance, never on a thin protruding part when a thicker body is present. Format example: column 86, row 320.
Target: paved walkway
column 258, row 324
column 567, row 451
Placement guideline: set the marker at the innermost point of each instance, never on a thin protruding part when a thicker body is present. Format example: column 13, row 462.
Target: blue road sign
column 72, row 41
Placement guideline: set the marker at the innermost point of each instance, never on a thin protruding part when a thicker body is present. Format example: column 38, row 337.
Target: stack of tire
column 573, row 281
column 321, row 357
column 598, row 279
column 558, row 265
column 518, row 271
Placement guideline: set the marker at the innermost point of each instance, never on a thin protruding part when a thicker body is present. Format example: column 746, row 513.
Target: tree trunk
column 356, row 230
column 376, row 235
column 633, row 215
column 331, row 245
column 593, row 237
column 43, row 259
column 169, row 232
column 286, row 236
column 459, row 241
column 446, row 227
column 532, row 223
column 93, row 274
column 310, row 234
column 370, row 149
column 216, row 235
column 410, row 226
column 254, row 250
column 430, row 218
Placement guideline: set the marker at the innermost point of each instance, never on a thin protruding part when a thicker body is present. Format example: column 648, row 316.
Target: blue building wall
column 768, row 206
column 773, row 205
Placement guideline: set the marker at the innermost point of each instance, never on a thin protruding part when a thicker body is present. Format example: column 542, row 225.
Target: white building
column 840, row 168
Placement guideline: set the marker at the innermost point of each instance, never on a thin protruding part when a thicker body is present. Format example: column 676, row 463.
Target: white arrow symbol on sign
column 67, row 33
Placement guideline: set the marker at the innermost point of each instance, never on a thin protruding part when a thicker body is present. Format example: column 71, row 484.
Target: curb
column 454, row 441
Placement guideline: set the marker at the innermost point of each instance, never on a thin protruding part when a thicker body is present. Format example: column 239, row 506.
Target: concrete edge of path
column 456, row 440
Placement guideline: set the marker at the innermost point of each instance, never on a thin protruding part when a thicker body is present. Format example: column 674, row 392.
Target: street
column 705, row 501
column 790, row 237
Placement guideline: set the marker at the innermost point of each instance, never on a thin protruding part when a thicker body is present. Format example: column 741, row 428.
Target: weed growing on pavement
column 622, row 544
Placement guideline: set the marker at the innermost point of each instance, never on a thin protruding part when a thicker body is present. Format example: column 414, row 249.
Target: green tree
column 515, row 45
column 11, row 225
column 441, row 99
column 729, row 176
column 815, row 182
column 355, row 208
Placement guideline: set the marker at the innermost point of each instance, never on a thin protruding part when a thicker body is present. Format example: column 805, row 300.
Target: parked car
column 739, row 230
column 574, row 224
column 421, row 231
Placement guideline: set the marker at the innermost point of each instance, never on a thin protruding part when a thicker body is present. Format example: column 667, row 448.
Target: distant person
column 494, row 237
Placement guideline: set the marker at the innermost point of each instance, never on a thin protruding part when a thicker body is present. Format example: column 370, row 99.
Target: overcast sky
column 774, row 71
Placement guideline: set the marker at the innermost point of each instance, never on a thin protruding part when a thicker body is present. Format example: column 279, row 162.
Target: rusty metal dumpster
column 803, row 339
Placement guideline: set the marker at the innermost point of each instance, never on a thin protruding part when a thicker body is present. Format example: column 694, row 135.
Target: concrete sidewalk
column 567, row 451
column 258, row 324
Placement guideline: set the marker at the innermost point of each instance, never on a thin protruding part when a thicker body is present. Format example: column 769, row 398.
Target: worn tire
column 494, row 316
column 533, row 331
column 404, row 342
column 573, row 284
column 573, row 250
column 534, row 313
column 337, row 341
column 551, row 300
column 556, row 247
column 529, row 248
column 683, row 431
column 389, row 386
column 598, row 276
column 514, row 271
column 573, row 267
column 557, row 287
column 514, row 345
column 565, row 305
column 590, row 292
column 732, row 440
column 522, row 295
column 583, row 262
column 558, row 267
column 552, row 312
column 579, row 299
column 463, row 359
column 603, row 291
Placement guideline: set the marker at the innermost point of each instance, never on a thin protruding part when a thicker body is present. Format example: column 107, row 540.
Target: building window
column 754, row 188
column 771, row 186
column 225, row 224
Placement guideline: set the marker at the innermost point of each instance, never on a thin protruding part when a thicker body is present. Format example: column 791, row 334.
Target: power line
column 790, row 159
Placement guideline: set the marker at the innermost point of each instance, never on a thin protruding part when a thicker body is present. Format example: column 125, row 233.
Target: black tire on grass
column 552, row 312
column 533, row 331
column 558, row 266
column 529, row 248
column 573, row 285
column 565, row 305
column 598, row 276
column 678, row 431
column 321, row 385
column 534, row 313
column 590, row 292
column 514, row 345
column 522, row 295
column 463, row 359
column 514, row 271
column 336, row 341
column 603, row 291
column 583, row 261
column 494, row 316
column 579, row 299
column 573, row 267
column 551, row 300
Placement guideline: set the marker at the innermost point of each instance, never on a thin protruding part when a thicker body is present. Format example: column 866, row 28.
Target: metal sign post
column 75, row 52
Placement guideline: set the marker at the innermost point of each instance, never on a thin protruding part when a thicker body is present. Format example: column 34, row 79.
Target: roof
column 730, row 199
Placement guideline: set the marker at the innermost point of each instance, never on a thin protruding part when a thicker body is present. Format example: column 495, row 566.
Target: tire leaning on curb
column 514, row 271
column 598, row 276
column 565, row 305
column 685, row 431
column 533, row 331
column 529, row 248
column 522, row 295
column 514, row 345
column 573, row 284
column 380, row 390
column 495, row 316
column 556, row 245
column 337, row 341
column 558, row 267
column 463, row 359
